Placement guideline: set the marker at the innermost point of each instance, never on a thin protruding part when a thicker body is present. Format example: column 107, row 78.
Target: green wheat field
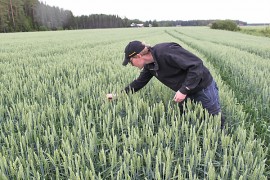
column 56, row 123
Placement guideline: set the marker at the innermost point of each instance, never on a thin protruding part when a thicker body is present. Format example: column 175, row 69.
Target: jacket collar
column 152, row 66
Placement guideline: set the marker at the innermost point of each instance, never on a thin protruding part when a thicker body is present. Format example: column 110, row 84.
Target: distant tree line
column 194, row 23
column 33, row 15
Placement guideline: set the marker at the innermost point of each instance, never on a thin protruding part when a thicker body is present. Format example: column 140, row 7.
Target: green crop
column 56, row 123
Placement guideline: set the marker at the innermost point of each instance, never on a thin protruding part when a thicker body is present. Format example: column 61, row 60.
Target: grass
column 257, row 31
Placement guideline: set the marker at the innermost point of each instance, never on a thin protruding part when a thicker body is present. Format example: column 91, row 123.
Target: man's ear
column 139, row 55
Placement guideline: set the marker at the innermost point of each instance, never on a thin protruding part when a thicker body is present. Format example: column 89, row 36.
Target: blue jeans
column 209, row 99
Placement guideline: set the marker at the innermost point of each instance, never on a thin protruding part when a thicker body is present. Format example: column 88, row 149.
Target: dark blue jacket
column 176, row 68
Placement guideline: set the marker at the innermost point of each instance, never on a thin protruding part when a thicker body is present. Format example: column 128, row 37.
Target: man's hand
column 179, row 97
column 111, row 96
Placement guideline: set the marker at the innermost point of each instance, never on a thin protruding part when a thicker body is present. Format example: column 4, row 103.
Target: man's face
column 137, row 61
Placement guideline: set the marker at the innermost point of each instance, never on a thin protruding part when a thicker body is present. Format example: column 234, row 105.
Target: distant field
column 55, row 121
column 256, row 30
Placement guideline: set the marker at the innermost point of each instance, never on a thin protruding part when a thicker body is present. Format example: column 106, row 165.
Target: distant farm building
column 136, row 25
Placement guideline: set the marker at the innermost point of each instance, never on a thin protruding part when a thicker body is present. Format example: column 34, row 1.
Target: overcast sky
column 250, row 11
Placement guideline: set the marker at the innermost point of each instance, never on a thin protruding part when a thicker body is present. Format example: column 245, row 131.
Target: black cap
column 133, row 48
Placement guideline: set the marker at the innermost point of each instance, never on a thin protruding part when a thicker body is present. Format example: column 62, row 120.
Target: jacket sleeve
column 189, row 63
column 140, row 82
